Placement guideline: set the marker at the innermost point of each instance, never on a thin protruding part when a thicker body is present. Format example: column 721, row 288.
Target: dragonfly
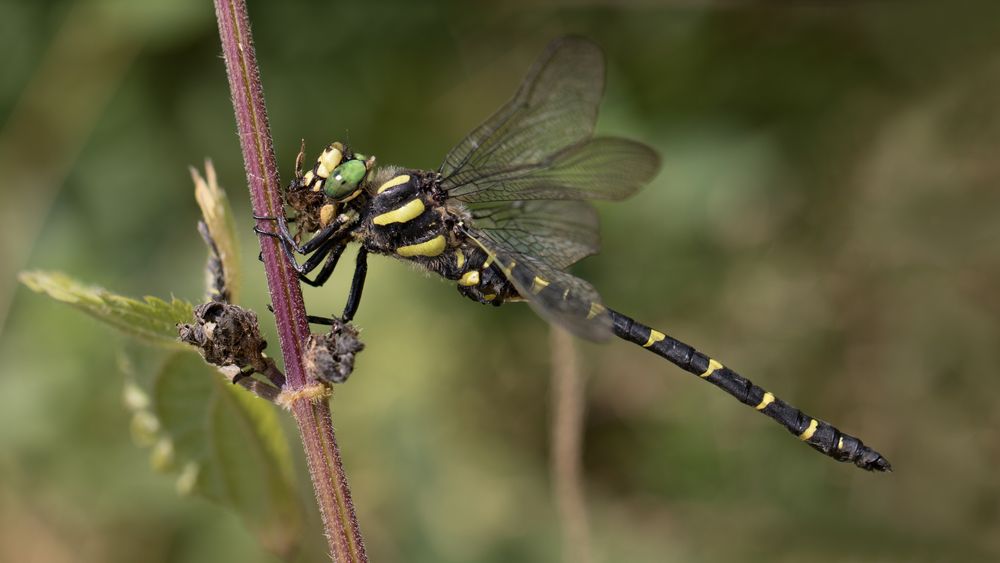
column 505, row 215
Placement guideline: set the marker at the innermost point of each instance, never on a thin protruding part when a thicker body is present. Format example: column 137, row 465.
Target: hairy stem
column 311, row 415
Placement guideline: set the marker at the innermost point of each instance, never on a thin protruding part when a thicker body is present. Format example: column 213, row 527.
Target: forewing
column 601, row 168
column 559, row 233
column 556, row 106
column 556, row 296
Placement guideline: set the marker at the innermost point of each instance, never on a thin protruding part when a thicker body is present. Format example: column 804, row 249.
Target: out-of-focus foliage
column 221, row 441
column 226, row 445
column 826, row 223
column 151, row 319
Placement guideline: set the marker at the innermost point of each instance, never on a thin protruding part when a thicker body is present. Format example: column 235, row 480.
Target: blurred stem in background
column 50, row 124
column 568, row 403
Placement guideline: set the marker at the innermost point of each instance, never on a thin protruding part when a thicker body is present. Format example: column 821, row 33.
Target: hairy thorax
column 405, row 217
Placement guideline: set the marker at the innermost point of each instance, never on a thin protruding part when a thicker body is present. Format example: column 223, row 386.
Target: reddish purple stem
column 313, row 417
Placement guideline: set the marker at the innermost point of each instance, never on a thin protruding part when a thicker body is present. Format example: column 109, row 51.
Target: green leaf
column 228, row 446
column 219, row 219
column 151, row 319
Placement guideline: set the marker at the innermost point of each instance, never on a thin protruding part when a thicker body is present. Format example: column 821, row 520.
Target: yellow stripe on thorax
column 432, row 247
column 808, row 432
column 459, row 257
column 413, row 209
column 712, row 366
column 401, row 179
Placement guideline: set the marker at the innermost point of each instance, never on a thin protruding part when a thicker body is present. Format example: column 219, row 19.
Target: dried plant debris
column 329, row 357
column 226, row 335
column 219, row 231
column 216, row 280
column 307, row 203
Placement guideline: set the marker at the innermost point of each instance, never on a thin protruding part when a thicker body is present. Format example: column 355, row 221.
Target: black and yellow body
column 818, row 434
column 507, row 213
column 406, row 215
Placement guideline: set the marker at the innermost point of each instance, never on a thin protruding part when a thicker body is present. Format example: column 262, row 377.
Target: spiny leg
column 287, row 243
column 354, row 297
column 290, row 255
column 307, row 266
column 284, row 235
column 326, row 321
column 329, row 238
column 332, row 253
column 357, row 285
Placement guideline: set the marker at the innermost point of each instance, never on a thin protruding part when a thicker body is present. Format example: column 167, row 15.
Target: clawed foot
column 260, row 231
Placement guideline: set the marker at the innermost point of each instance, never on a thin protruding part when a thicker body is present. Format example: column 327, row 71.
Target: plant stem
column 312, row 416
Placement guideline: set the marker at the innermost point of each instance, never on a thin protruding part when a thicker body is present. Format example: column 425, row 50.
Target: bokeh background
column 827, row 222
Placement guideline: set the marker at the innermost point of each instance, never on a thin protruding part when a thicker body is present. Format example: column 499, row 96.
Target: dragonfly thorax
column 402, row 217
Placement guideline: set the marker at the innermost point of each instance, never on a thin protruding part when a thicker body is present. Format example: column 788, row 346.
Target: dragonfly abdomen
column 818, row 434
column 476, row 275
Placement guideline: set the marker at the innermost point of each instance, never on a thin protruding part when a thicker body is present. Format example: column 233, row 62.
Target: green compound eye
column 345, row 179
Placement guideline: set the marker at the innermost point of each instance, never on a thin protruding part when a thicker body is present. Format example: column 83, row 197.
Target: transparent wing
column 524, row 173
column 556, row 106
column 600, row 168
column 540, row 146
column 559, row 233
column 556, row 296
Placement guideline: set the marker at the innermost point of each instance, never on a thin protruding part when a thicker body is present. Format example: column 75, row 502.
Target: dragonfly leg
column 333, row 230
column 332, row 254
column 326, row 321
column 357, row 285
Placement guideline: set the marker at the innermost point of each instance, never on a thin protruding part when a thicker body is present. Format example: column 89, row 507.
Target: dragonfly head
column 346, row 179
column 338, row 174
column 315, row 193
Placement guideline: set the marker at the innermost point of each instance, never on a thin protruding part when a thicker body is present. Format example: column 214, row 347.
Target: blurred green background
column 826, row 223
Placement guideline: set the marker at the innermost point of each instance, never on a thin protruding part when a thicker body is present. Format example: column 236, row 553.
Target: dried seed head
column 329, row 357
column 226, row 335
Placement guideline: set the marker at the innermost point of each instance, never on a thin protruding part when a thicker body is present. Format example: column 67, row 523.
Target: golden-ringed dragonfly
column 507, row 213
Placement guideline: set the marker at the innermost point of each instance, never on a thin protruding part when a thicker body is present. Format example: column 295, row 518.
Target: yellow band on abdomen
column 767, row 399
column 712, row 366
column 538, row 284
column 808, row 432
column 470, row 278
column 654, row 337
